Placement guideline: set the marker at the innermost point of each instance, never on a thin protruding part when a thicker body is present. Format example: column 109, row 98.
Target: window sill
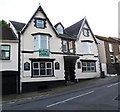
column 87, row 54
column 42, row 76
column 89, row 72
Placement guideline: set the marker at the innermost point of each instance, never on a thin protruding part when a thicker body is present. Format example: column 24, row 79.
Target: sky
column 102, row 15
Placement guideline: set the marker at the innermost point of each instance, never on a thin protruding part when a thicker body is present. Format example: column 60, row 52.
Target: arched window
column 57, row 65
column 78, row 65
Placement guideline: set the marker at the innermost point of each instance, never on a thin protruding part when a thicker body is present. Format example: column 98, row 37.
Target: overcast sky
column 102, row 15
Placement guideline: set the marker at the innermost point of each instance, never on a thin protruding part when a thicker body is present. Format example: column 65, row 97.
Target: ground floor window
column 41, row 68
column 88, row 66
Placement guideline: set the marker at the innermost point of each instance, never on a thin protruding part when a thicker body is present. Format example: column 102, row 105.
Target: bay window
column 41, row 42
column 87, row 47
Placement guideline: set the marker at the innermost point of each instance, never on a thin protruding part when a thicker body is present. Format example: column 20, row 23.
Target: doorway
column 69, row 67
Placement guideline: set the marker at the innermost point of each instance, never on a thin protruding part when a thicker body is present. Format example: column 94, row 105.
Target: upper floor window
column 87, row 47
column 41, row 42
column 65, row 46
column 5, row 52
column 110, row 47
column 112, row 58
column 85, row 32
column 68, row 46
column 40, row 23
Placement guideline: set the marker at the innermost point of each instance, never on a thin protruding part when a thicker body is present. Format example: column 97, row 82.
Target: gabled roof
column 108, row 39
column 39, row 9
column 74, row 29
column 7, row 34
column 18, row 26
column 58, row 24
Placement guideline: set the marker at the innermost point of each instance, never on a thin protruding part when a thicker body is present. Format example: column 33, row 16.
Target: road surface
column 97, row 97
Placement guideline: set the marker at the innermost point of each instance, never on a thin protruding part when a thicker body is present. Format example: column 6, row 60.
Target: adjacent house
column 54, row 55
column 9, row 61
column 109, row 48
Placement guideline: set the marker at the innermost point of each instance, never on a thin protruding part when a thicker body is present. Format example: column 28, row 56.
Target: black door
column 9, row 82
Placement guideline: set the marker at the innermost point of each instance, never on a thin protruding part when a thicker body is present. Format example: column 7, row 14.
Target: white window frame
column 110, row 47
column 86, row 66
column 39, row 42
column 51, row 68
column 87, row 48
column 40, row 23
column 112, row 58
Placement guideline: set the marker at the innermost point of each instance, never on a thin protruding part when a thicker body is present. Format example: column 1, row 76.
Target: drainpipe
column 19, row 60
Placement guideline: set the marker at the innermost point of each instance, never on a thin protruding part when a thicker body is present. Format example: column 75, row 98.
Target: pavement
column 79, row 85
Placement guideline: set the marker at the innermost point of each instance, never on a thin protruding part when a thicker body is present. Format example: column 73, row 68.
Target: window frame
column 45, row 68
column 110, row 47
column 88, row 46
column 112, row 58
column 38, row 21
column 86, row 32
column 39, row 40
column 66, row 46
column 91, row 66
column 9, row 51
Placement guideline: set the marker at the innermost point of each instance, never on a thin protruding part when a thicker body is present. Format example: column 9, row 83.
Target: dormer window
column 85, row 32
column 59, row 28
column 39, row 23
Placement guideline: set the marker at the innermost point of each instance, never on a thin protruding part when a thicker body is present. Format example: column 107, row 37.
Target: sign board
column 44, row 52
column 26, row 66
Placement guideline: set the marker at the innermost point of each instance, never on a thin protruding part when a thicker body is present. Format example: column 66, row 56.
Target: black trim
column 41, row 34
column 42, row 19
column 41, row 59
column 27, row 51
column 88, row 60
column 87, row 41
column 39, row 9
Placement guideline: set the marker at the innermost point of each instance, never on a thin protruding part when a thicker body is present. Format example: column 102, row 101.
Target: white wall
column 12, row 64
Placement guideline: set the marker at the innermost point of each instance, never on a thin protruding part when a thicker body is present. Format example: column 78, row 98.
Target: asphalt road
column 97, row 97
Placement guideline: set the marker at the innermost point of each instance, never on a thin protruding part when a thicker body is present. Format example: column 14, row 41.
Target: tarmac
column 79, row 85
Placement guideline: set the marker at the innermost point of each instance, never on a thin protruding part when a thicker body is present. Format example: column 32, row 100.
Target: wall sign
column 57, row 65
column 26, row 66
column 44, row 52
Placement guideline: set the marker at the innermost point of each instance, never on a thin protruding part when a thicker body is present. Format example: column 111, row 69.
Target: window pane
column 65, row 46
column 49, row 65
column 36, row 43
column 40, row 23
column 35, row 72
column 84, row 63
column 42, row 65
column 42, row 72
column 35, row 65
column 84, row 69
column 43, row 42
column 5, row 48
column 49, row 72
